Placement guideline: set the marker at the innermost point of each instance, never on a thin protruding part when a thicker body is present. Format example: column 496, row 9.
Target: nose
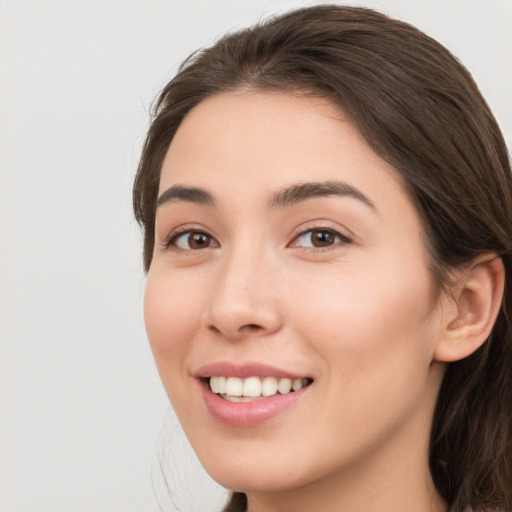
column 244, row 299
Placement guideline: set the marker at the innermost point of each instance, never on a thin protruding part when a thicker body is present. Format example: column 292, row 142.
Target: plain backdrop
column 85, row 425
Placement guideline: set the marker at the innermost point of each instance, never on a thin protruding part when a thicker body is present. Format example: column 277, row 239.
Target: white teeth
column 284, row 386
column 269, row 386
column 297, row 384
column 234, row 386
column 214, row 384
column 218, row 384
column 252, row 387
column 237, row 398
column 243, row 390
column 221, row 383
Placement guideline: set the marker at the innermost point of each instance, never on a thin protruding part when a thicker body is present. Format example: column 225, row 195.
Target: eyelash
column 170, row 242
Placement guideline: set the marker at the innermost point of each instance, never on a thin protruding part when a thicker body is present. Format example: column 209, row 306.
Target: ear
column 471, row 317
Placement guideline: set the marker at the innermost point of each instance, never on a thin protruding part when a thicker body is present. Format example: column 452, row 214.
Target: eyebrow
column 304, row 191
column 283, row 198
column 180, row 193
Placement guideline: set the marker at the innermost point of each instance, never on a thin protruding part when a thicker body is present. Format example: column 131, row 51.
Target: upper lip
column 242, row 371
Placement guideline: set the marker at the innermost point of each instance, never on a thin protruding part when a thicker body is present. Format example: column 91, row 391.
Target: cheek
column 172, row 314
column 373, row 340
column 370, row 323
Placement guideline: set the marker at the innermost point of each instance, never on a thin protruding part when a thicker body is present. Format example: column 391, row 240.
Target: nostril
column 252, row 327
column 246, row 327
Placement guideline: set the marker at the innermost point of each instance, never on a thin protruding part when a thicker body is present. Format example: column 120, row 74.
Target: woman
column 327, row 201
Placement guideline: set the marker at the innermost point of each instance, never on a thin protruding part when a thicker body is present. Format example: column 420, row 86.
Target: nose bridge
column 243, row 298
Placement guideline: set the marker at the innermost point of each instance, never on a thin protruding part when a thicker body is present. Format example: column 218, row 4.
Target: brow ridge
column 304, row 191
column 286, row 197
column 191, row 194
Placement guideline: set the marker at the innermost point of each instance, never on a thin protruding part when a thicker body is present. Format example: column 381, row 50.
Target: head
column 415, row 110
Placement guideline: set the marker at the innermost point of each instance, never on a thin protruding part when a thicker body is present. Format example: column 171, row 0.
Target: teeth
column 214, row 384
column 218, row 384
column 243, row 390
column 234, row 386
column 222, row 384
column 252, row 387
column 269, row 386
column 284, row 386
column 237, row 398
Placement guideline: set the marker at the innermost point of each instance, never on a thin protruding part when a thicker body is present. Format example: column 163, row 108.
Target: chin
column 260, row 469
column 251, row 480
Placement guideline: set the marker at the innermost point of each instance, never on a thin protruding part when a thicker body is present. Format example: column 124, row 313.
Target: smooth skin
column 335, row 287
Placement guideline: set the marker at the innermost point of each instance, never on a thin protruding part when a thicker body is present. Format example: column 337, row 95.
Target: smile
column 235, row 389
column 249, row 394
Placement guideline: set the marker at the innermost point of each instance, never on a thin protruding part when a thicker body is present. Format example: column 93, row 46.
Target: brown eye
column 322, row 238
column 192, row 240
column 319, row 238
column 198, row 240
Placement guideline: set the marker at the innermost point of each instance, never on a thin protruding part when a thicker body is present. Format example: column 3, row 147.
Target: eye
column 319, row 238
column 191, row 240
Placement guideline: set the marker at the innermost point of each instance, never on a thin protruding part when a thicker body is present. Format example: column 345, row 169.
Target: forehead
column 245, row 143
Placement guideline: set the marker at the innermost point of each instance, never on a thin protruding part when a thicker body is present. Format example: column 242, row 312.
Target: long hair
column 420, row 110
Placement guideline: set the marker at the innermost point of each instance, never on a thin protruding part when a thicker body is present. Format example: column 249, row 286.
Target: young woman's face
column 287, row 253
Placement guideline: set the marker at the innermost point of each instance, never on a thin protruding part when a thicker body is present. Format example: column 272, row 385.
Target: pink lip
column 227, row 369
column 246, row 414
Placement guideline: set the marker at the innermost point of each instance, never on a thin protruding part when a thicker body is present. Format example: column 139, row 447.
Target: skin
column 357, row 316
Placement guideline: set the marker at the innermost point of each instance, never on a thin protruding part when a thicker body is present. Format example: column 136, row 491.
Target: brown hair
column 420, row 110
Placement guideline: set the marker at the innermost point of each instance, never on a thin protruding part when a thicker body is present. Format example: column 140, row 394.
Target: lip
column 243, row 371
column 246, row 414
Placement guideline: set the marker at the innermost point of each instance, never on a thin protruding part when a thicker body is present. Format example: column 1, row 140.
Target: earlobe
column 478, row 298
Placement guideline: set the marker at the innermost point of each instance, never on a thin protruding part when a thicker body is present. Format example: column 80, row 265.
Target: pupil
column 322, row 238
column 198, row 240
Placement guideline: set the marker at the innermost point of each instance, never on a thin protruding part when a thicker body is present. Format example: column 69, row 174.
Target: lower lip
column 248, row 414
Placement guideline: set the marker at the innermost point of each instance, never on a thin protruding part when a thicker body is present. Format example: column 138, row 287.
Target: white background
column 81, row 404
